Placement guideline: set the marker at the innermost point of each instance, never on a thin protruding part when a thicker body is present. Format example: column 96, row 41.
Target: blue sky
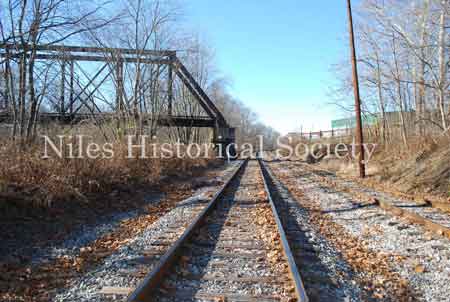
column 277, row 54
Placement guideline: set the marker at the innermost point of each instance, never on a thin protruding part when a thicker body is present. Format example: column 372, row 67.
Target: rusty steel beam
column 91, row 58
column 120, row 56
column 82, row 49
column 203, row 96
column 83, row 90
column 62, row 88
column 177, row 121
column 169, row 89
column 163, row 120
column 195, row 93
column 71, row 86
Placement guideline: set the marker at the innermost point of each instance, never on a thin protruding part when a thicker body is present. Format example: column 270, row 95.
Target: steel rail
column 398, row 210
column 147, row 287
column 295, row 275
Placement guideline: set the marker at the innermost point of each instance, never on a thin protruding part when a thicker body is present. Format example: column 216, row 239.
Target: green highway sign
column 351, row 122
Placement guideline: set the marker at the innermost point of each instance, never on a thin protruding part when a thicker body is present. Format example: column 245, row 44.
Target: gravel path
column 420, row 257
column 126, row 267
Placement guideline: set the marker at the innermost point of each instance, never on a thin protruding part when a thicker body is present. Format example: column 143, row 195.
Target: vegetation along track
column 235, row 250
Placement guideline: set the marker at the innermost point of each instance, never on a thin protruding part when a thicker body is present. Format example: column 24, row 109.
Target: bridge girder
column 67, row 55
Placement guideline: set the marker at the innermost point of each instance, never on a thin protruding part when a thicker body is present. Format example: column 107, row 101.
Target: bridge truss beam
column 113, row 60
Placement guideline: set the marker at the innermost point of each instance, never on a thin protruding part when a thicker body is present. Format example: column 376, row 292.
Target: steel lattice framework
column 112, row 62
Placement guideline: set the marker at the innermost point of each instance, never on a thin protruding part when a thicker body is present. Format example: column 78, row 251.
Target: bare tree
column 404, row 54
column 26, row 24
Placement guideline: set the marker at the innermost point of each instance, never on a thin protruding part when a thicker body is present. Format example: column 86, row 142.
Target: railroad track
column 235, row 249
column 431, row 216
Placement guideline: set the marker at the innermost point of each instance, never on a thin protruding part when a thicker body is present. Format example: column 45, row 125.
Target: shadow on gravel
column 27, row 229
column 31, row 233
column 414, row 206
column 357, row 207
column 192, row 201
column 320, row 281
column 323, row 173
column 357, row 188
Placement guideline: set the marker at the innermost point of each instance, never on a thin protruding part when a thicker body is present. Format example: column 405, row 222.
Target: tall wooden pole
column 359, row 132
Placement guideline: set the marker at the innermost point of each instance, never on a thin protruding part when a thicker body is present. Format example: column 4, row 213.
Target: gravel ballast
column 326, row 275
column 126, row 266
column 420, row 257
column 87, row 234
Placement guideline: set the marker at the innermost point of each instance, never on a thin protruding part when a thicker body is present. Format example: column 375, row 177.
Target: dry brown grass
column 27, row 178
column 421, row 167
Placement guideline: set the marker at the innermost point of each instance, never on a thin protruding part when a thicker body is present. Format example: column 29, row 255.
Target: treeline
column 30, row 86
column 403, row 61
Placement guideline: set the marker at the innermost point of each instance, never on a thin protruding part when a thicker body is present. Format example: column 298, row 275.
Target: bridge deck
column 163, row 120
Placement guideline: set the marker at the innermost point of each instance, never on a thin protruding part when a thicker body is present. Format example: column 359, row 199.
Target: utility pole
column 359, row 132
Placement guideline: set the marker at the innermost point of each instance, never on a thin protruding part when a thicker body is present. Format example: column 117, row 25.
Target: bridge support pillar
column 71, row 87
column 169, row 89
column 225, row 141
column 62, row 105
